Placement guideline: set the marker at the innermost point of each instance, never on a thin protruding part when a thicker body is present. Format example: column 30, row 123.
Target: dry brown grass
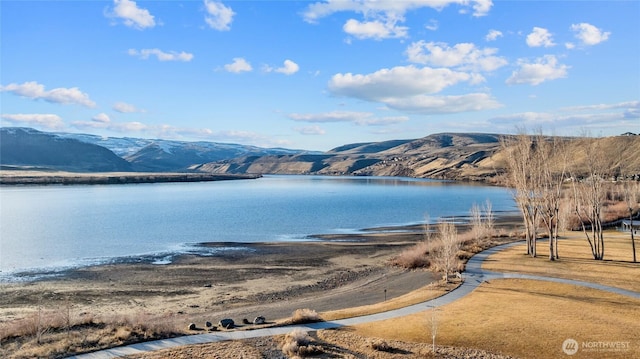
column 428, row 292
column 525, row 319
column 576, row 261
column 531, row 319
column 56, row 334
column 298, row 344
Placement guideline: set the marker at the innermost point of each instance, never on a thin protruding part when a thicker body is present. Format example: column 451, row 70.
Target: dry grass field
column 532, row 319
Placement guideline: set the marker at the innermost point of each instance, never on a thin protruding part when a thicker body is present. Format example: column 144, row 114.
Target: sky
column 315, row 75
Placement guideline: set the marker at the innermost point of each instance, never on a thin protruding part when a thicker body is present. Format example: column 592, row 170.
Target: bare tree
column 482, row 220
column 446, row 257
column 631, row 196
column 553, row 169
column 589, row 196
column 523, row 177
column 477, row 229
column 489, row 218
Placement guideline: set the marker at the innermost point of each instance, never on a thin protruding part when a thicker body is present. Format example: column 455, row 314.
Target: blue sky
column 318, row 74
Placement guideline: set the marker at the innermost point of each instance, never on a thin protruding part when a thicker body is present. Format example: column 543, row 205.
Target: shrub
column 379, row 345
column 416, row 256
column 301, row 316
column 298, row 344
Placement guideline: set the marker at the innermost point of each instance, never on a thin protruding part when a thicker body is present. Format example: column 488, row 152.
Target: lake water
column 45, row 229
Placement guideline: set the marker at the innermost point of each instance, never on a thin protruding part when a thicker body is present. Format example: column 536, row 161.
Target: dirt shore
column 239, row 281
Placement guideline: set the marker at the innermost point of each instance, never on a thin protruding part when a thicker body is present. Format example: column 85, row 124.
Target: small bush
column 416, row 256
column 298, row 344
column 301, row 316
column 379, row 345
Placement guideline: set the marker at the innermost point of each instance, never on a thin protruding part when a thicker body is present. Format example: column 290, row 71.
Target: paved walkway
column 473, row 276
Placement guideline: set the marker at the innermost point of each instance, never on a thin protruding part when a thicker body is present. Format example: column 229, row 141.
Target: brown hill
column 473, row 157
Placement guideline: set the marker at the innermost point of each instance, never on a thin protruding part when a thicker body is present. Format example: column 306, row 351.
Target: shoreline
column 167, row 257
column 39, row 177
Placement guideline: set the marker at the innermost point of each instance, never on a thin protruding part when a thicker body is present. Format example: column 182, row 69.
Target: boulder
column 208, row 324
column 226, row 323
column 192, row 326
column 259, row 320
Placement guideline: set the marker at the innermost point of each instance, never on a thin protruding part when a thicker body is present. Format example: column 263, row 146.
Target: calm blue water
column 46, row 228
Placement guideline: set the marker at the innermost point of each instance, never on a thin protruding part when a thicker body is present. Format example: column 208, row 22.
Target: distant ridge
column 31, row 148
column 454, row 156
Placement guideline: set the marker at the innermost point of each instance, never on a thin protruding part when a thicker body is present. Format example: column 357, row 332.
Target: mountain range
column 458, row 156
column 27, row 147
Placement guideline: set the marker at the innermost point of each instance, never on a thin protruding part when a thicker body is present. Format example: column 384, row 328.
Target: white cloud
column 161, row 55
column 389, row 8
column 358, row 118
column 381, row 18
column 48, row 121
column 573, row 123
column 238, row 65
column 124, row 107
column 588, row 34
column 60, row 95
column 444, row 104
column 543, row 69
column 432, row 25
column 399, row 81
column 310, row 130
column 101, row 118
column 219, row 17
column 569, row 45
column 628, row 105
column 493, row 35
column 464, row 56
column 288, row 68
column 132, row 15
column 374, row 29
column 540, row 37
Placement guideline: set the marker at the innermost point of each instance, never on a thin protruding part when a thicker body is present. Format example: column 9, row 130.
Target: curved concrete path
column 473, row 276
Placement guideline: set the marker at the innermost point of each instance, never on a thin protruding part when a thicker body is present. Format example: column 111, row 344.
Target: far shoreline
column 44, row 177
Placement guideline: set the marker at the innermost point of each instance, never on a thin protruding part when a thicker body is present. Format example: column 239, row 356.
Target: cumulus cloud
column 288, row 68
column 36, row 91
column 412, row 89
column 124, row 107
column 48, row 121
column 131, row 15
column 588, row 34
column 355, row 117
column 219, row 16
column 543, row 69
column 540, row 37
column 374, row 29
column 310, row 130
column 101, row 118
column 381, row 19
column 493, row 35
column 431, row 105
column 399, row 81
column 161, row 55
column 464, row 56
column 238, row 65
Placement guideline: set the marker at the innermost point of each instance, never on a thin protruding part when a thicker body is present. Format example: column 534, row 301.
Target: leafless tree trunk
column 523, row 176
column 631, row 194
column 447, row 255
column 553, row 162
column 589, row 197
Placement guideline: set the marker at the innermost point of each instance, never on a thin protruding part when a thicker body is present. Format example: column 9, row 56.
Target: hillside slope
column 472, row 157
column 26, row 147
